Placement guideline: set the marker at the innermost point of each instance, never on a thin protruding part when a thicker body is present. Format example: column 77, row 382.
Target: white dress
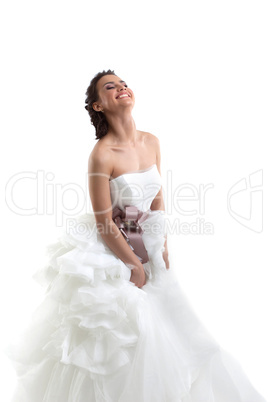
column 97, row 337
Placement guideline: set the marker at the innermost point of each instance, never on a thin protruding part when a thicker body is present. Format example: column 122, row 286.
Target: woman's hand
column 138, row 276
column 165, row 255
column 165, row 258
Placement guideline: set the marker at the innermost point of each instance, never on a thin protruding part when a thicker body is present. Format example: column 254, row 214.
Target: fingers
column 138, row 278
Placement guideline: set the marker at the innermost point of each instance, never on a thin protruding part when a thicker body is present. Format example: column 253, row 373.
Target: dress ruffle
column 98, row 337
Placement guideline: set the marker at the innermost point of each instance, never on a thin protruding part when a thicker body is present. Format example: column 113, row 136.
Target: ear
column 96, row 107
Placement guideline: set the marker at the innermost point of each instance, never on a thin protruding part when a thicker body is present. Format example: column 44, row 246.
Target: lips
column 123, row 95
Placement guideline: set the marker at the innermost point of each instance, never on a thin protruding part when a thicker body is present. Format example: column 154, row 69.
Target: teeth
column 123, row 96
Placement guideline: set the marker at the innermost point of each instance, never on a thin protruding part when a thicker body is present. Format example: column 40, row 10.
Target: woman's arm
column 158, row 202
column 99, row 169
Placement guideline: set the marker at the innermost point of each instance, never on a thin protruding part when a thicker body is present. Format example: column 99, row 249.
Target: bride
column 115, row 325
column 121, row 149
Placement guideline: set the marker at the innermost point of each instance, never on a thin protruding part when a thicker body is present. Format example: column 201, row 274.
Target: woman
column 115, row 325
column 121, row 148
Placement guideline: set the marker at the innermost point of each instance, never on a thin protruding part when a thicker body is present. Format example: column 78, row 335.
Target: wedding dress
column 97, row 337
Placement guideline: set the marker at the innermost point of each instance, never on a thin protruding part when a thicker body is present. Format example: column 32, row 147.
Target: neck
column 122, row 128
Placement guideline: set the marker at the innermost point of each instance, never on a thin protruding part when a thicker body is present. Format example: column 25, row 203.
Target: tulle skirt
column 96, row 337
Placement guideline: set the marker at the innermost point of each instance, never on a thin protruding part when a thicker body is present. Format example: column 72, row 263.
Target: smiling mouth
column 123, row 96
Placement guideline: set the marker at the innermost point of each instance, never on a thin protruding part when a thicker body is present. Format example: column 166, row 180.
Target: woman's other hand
column 165, row 255
column 165, row 258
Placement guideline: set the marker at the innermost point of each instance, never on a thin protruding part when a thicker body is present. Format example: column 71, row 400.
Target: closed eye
column 111, row 87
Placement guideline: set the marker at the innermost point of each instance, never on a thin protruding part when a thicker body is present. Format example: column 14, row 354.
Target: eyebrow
column 112, row 82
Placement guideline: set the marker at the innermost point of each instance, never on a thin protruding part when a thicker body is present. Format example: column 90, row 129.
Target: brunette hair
column 98, row 119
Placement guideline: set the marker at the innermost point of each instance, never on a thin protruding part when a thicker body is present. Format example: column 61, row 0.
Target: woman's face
column 114, row 95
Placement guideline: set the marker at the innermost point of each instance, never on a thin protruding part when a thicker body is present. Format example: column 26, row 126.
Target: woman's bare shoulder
column 149, row 137
column 151, row 140
column 101, row 157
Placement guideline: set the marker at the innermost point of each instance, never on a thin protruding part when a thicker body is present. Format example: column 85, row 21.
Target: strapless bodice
column 137, row 188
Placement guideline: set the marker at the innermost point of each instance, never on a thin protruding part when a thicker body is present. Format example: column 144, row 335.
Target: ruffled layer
column 98, row 337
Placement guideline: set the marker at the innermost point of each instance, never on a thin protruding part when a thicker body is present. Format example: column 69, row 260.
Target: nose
column 121, row 87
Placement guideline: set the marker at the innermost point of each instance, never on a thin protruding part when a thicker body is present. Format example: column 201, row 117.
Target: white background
column 199, row 73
